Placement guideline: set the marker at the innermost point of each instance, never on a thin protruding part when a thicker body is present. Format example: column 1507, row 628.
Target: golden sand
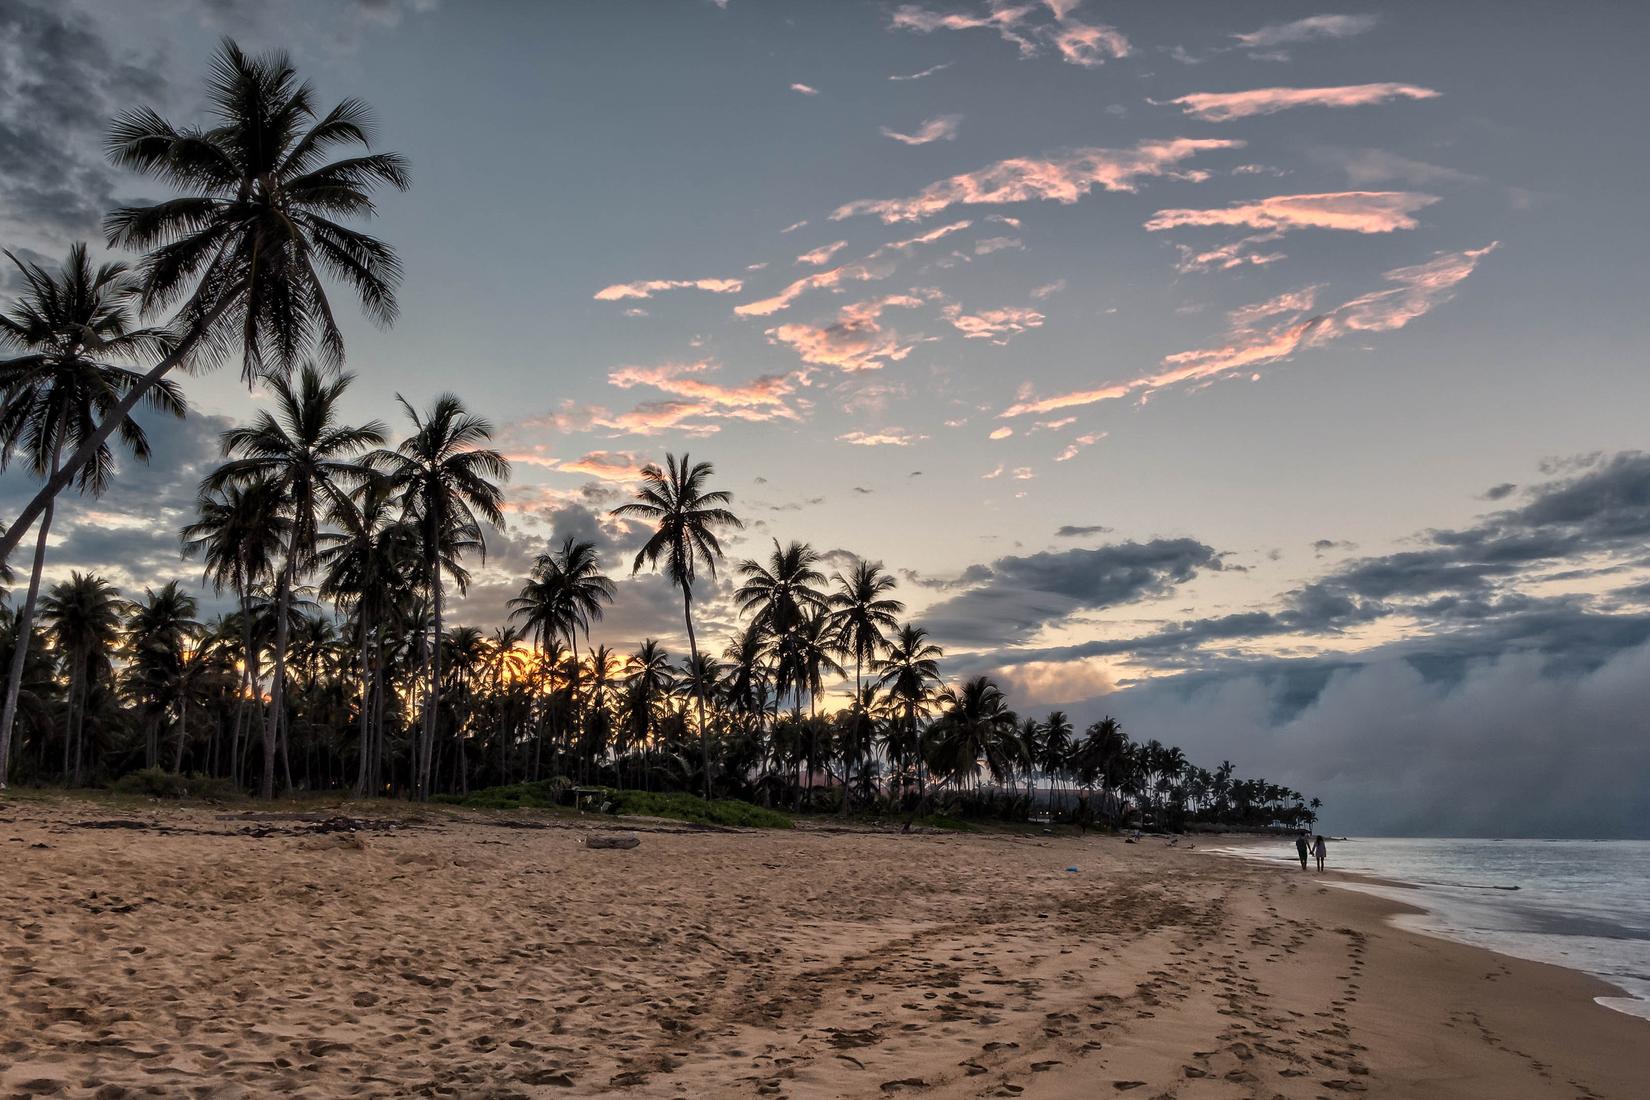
column 211, row 953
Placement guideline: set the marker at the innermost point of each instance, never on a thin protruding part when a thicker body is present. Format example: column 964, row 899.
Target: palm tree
column 686, row 518
column 862, row 611
column 239, row 535
column 158, row 635
column 907, row 675
column 311, row 461
column 976, row 728
column 84, row 615
column 242, row 250
column 72, row 331
column 1054, row 750
column 449, row 485
column 580, row 594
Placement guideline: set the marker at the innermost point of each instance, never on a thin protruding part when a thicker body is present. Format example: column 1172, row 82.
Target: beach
column 347, row 950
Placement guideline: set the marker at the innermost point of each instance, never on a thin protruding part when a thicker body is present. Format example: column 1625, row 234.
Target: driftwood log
column 621, row 840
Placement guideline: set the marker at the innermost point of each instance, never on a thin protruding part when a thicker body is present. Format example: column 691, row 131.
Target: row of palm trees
column 340, row 549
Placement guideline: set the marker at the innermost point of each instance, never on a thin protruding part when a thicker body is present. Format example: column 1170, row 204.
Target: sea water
column 1582, row 904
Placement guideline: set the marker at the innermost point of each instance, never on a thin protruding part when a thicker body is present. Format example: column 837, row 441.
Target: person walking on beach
column 1320, row 850
column 1301, row 847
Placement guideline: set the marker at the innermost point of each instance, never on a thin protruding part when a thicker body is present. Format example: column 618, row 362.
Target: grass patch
column 552, row 794
column 948, row 823
column 160, row 783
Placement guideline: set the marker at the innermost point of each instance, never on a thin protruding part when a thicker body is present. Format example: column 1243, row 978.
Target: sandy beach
column 224, row 952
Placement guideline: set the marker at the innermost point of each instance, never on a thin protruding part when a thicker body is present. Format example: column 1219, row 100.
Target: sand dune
column 200, row 953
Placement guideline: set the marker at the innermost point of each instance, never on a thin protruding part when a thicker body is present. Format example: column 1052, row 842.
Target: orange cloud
column 943, row 128
column 1225, row 106
column 1351, row 211
column 1415, row 291
column 1076, row 446
column 1078, row 43
column 855, row 341
column 650, row 287
column 1062, row 178
column 996, row 325
column 822, row 254
column 685, row 380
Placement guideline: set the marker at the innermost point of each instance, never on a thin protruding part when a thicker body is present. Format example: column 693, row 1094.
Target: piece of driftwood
column 620, row 840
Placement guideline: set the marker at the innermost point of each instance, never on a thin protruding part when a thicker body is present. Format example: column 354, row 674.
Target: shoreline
column 1417, row 901
column 250, row 953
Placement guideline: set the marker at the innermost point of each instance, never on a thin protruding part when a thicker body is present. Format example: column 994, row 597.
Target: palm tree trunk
column 89, row 447
column 364, row 748
column 80, row 717
column 183, row 734
column 698, row 686
column 24, row 634
column 432, row 698
column 277, row 686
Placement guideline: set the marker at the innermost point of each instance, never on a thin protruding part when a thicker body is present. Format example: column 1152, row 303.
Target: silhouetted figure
column 1320, row 850
column 1301, row 847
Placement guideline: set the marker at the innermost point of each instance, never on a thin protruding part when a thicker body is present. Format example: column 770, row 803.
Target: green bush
column 687, row 807
column 543, row 794
column 160, row 783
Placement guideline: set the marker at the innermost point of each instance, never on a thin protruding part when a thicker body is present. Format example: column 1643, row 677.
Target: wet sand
column 230, row 953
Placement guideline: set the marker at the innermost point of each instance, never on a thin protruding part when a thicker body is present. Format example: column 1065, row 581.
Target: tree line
column 337, row 669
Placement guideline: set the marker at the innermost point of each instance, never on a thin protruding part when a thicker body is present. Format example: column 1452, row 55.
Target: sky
column 1269, row 376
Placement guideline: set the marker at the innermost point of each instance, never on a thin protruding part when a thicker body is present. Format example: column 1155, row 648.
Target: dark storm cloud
column 1500, row 492
column 1014, row 596
column 1070, row 532
column 61, row 79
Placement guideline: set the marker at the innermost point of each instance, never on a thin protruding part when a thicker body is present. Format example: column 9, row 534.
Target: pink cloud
column 1023, row 26
column 822, row 254
column 1225, row 106
column 1306, row 30
column 804, row 89
column 943, row 128
column 1227, row 256
column 687, row 380
column 888, row 437
column 877, row 265
column 855, row 341
column 650, row 287
column 1063, row 178
column 1277, row 328
column 1001, row 433
column 1075, row 447
column 1352, row 211
column 996, row 325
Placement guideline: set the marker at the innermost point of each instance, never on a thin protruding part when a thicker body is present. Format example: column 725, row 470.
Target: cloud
column 887, row 437
column 1001, row 433
column 1076, row 446
column 794, row 226
column 988, row 245
column 879, row 264
column 930, row 71
column 1225, row 257
column 1366, row 166
column 1350, row 211
column 804, row 89
column 941, row 128
column 996, row 325
column 1049, row 289
column 647, row 289
column 1226, row 106
column 1072, row 532
column 695, row 405
column 822, row 254
column 767, row 393
column 1414, row 292
column 61, row 79
column 1063, row 177
column 1312, row 28
column 1032, row 28
column 856, row 341
column 1013, row 597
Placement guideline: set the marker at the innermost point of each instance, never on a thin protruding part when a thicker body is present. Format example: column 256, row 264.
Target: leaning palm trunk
column 432, row 698
column 88, row 449
column 698, row 688
column 20, row 644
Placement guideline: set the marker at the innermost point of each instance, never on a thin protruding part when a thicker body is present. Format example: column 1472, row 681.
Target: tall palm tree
column 572, row 572
column 449, row 484
column 907, row 676
column 783, row 594
column 1054, row 750
column 239, row 535
column 244, row 249
column 686, row 518
column 312, row 460
column 862, row 611
column 73, row 332
column 976, row 729
column 84, row 616
column 158, row 636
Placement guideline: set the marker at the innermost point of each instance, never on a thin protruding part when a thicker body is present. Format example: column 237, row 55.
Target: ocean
column 1582, row 904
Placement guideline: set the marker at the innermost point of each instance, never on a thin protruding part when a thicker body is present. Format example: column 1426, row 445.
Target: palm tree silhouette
column 242, row 250
column 158, row 636
column 311, row 460
column 861, row 612
column 449, row 485
column 73, row 331
column 686, row 518
column 84, row 616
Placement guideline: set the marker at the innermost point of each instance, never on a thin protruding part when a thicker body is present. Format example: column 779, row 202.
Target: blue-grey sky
column 1269, row 375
